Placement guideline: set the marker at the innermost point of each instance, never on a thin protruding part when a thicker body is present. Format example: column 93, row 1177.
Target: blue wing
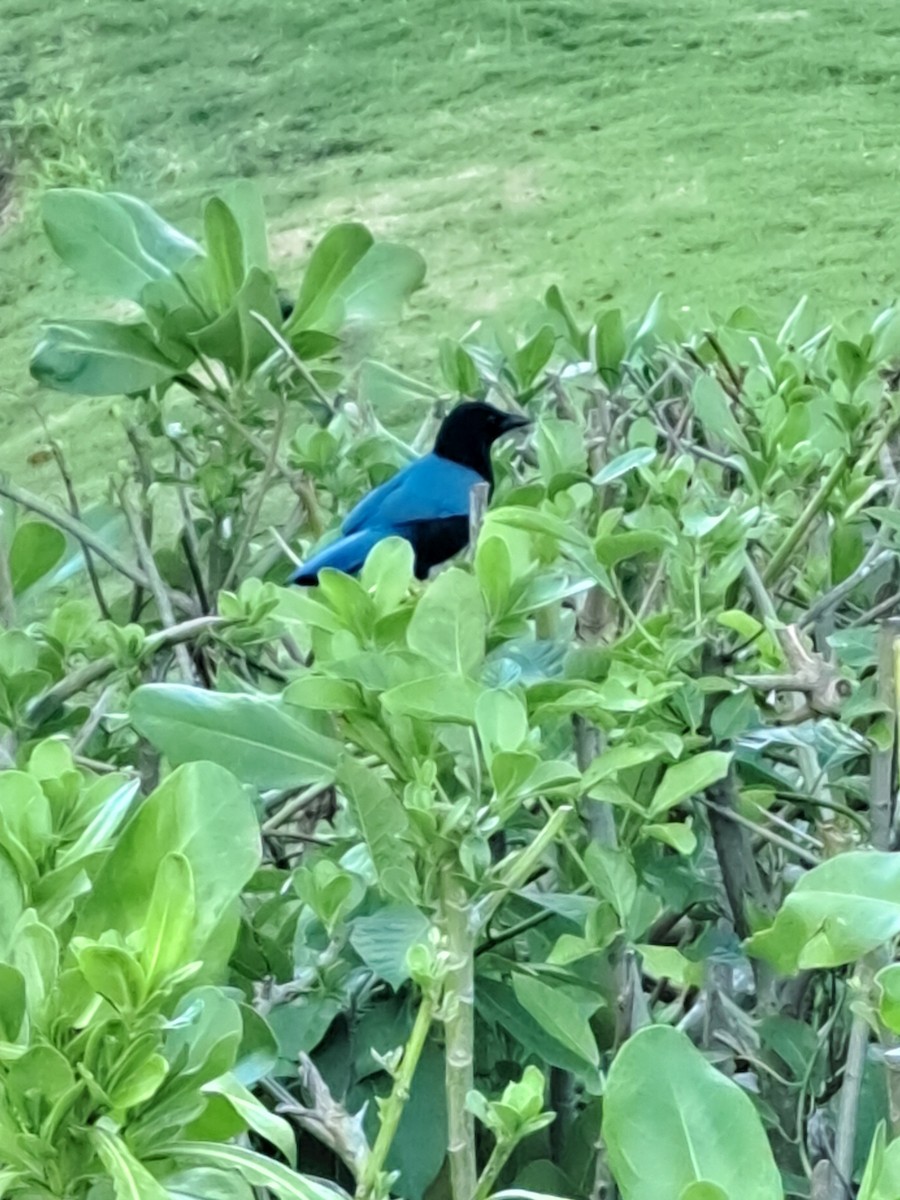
column 427, row 490
column 346, row 554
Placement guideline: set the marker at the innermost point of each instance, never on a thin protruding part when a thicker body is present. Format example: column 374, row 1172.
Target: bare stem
column 459, row 1031
column 370, row 1185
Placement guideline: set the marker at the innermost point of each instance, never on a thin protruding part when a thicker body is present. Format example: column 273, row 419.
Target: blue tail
column 347, row 554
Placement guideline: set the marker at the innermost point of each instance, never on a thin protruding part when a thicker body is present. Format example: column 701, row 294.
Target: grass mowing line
column 725, row 152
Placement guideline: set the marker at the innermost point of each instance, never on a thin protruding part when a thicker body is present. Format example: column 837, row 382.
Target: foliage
column 547, row 838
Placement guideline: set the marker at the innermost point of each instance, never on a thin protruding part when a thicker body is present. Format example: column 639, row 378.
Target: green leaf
column 692, row 1125
column 837, row 912
column 394, row 397
column 686, row 779
column 383, row 939
column 35, row 551
column 258, row 1170
column 332, row 261
column 237, row 338
column 379, row 285
column 131, row 1180
column 244, row 199
column 613, row 877
column 665, row 962
column 631, row 460
column 713, row 407
column 201, row 812
column 449, row 698
column 12, row 1002
column 115, row 243
column 113, row 973
column 262, row 741
column 254, row 1115
column 388, row 573
column 100, row 358
column 225, row 250
column 502, row 722
column 531, row 358
column 566, row 1019
column 449, row 625
column 458, row 369
column 170, row 920
column 382, row 822
column 679, row 835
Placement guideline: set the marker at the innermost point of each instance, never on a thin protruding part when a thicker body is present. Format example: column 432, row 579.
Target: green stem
column 370, row 1185
column 459, row 1032
column 783, row 554
column 495, row 1164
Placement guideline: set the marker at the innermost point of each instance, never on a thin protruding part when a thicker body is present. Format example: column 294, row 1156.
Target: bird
column 427, row 502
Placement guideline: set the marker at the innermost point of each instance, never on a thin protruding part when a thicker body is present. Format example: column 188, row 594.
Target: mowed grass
column 722, row 151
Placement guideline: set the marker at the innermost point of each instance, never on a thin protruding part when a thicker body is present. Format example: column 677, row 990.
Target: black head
column 468, row 432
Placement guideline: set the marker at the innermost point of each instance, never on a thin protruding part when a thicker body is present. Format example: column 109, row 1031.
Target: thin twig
column 799, row 530
column 156, row 585
column 90, row 565
column 77, row 529
column 258, row 500
column 290, row 353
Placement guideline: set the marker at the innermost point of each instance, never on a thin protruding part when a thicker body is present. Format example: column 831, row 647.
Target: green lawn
column 719, row 150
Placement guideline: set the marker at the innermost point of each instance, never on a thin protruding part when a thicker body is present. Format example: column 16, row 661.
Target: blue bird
column 427, row 502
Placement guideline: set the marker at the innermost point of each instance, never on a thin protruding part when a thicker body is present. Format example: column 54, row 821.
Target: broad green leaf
column 258, row 1170
column 207, row 1183
column 531, row 358
column 888, row 980
column 256, row 1116
column 333, row 259
column 260, row 740
column 613, row 877
column 677, row 834
column 837, row 912
column 566, row 1020
column 497, row 1003
column 225, row 250
column 103, row 825
column 112, row 971
column 450, row 698
column 666, row 962
column 36, row 549
column 115, row 243
column 449, row 625
column 688, row 778
column 881, row 1179
column 383, row 939
column 201, row 812
column 237, row 338
column 378, row 286
column 245, row 201
column 131, row 1179
column 641, row 456
column 100, row 358
column 670, row 1120
column 713, row 407
column 170, row 920
column 502, row 721
column 458, row 368
column 388, row 573
column 379, row 816
column 394, row 397
column 12, row 1002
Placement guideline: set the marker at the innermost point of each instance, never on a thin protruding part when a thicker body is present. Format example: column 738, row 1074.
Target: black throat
column 473, row 452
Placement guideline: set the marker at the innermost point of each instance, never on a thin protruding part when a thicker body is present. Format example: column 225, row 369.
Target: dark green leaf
column 35, row 550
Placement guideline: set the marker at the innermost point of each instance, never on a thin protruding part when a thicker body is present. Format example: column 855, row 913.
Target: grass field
column 718, row 150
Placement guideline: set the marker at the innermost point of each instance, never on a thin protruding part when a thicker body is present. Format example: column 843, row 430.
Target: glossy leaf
column 332, row 261
column 36, row 549
column 262, row 741
column 692, row 1126
column 837, row 912
column 449, row 625
column 688, row 778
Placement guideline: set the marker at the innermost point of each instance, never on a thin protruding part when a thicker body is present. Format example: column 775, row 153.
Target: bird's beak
column 514, row 421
